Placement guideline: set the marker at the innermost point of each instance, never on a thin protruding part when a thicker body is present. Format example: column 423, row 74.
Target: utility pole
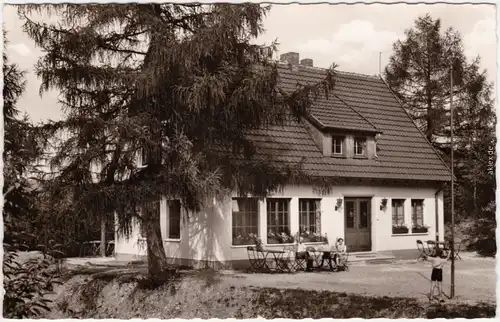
column 452, row 246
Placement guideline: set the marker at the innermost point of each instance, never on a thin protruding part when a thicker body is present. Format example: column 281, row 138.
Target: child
column 340, row 250
column 437, row 271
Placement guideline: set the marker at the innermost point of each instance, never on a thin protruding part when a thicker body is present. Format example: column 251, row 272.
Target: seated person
column 302, row 253
column 340, row 251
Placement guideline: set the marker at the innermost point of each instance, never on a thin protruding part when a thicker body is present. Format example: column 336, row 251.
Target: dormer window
column 337, row 145
column 360, row 146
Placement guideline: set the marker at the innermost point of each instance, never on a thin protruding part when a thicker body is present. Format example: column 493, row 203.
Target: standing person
column 437, row 262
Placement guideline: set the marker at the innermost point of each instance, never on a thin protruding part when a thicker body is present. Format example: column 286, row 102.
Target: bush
column 27, row 283
column 484, row 241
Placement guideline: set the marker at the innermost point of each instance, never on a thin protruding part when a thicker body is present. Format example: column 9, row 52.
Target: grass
column 300, row 304
column 206, row 294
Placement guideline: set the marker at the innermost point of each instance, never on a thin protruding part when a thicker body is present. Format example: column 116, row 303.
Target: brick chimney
column 307, row 62
column 291, row 58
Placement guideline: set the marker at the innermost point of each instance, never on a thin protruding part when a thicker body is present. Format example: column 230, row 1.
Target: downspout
column 437, row 212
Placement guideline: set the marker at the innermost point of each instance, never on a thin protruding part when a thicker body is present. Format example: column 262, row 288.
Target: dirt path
column 475, row 280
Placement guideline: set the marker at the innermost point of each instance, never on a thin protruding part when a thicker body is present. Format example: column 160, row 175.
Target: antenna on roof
column 380, row 64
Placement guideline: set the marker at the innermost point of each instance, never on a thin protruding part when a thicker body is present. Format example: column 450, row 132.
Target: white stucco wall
column 207, row 235
column 203, row 234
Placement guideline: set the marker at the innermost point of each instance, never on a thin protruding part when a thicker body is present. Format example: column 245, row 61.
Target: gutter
column 437, row 212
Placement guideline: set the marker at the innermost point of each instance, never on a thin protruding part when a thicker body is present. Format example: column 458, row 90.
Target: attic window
column 360, row 146
column 337, row 145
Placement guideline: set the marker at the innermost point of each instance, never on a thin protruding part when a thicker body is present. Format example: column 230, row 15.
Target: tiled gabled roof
column 359, row 103
column 331, row 112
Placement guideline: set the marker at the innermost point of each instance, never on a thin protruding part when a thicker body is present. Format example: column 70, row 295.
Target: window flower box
column 308, row 237
column 419, row 229
column 399, row 230
column 245, row 240
column 276, row 238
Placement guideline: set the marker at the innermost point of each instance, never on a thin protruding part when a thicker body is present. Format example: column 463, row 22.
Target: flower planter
column 419, row 230
column 273, row 240
column 245, row 242
column 313, row 240
column 399, row 230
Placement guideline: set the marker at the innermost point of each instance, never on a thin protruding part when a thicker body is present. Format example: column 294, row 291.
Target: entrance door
column 358, row 224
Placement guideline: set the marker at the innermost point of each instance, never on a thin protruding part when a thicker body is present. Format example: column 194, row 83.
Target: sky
column 350, row 35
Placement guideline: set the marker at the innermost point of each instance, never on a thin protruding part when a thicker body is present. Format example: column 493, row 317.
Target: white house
column 389, row 192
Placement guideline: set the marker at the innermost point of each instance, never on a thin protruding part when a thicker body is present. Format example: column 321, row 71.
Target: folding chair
column 343, row 262
column 256, row 259
column 288, row 261
column 432, row 247
column 424, row 253
column 313, row 256
column 456, row 251
column 300, row 262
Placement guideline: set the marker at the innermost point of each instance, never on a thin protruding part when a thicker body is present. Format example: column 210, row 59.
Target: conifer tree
column 183, row 83
column 20, row 149
column 419, row 73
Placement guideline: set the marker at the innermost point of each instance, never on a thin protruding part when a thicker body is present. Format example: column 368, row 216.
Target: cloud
column 481, row 41
column 482, row 35
column 351, row 42
column 19, row 49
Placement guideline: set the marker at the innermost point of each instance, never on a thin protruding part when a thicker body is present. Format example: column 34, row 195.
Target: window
column 398, row 213
column 417, row 213
column 174, row 219
column 245, row 220
column 309, row 217
column 278, row 221
column 350, row 208
column 337, row 145
column 150, row 155
column 145, row 156
column 359, row 146
column 149, row 212
column 364, row 217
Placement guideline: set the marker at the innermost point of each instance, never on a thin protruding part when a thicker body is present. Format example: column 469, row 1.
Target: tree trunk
column 474, row 215
column 103, row 236
column 157, row 259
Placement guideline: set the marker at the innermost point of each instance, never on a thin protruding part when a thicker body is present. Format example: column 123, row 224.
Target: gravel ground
column 475, row 280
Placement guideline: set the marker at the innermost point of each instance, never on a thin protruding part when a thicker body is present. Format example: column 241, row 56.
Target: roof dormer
column 342, row 142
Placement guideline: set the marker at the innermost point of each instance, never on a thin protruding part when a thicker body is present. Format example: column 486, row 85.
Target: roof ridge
column 356, row 111
column 413, row 121
column 317, row 68
column 372, row 77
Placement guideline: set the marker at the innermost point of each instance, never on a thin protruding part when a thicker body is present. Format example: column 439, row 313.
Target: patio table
column 456, row 249
column 94, row 247
column 444, row 246
column 277, row 257
column 326, row 253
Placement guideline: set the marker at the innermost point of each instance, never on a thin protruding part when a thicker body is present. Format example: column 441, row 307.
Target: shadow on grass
column 300, row 304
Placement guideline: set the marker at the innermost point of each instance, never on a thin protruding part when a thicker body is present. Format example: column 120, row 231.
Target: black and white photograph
column 249, row 160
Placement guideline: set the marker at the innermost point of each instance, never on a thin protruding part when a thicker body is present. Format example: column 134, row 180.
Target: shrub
column 27, row 283
column 484, row 241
